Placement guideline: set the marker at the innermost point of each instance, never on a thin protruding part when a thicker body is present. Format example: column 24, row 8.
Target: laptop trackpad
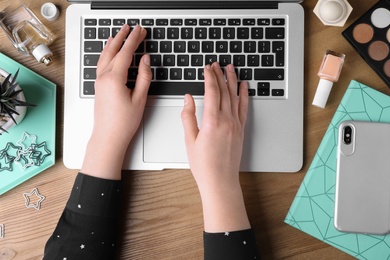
column 164, row 135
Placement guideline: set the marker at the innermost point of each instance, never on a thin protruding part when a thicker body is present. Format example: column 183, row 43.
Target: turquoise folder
column 312, row 210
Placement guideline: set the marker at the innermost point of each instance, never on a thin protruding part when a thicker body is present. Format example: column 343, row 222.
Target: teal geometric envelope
column 29, row 147
column 312, row 210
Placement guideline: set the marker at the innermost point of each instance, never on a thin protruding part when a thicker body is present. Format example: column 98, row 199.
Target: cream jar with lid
column 333, row 12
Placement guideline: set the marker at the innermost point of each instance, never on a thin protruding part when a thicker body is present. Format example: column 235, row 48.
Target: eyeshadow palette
column 370, row 36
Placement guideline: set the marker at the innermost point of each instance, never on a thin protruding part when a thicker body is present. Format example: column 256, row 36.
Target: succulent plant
column 9, row 99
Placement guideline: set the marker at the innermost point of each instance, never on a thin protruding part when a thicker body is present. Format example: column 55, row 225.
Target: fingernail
column 124, row 26
column 208, row 67
column 244, row 84
column 231, row 67
column 147, row 60
column 187, row 99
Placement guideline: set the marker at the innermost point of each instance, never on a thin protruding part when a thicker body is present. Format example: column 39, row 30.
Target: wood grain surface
column 162, row 216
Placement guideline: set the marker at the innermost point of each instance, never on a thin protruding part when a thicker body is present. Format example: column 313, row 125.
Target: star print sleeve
column 230, row 245
column 87, row 227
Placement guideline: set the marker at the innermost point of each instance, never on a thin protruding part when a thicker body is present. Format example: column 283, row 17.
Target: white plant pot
column 20, row 109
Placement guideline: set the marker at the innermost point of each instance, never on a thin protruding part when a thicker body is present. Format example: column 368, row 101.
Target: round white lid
column 49, row 11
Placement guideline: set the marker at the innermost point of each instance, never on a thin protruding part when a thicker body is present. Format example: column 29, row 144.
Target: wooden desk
column 162, row 216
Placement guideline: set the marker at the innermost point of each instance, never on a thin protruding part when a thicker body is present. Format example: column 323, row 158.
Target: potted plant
column 13, row 103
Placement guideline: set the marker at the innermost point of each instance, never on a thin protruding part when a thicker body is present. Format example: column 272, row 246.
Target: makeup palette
column 370, row 36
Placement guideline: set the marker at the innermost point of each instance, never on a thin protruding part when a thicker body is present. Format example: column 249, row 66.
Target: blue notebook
column 312, row 210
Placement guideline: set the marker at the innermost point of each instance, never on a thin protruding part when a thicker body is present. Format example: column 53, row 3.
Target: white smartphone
column 362, row 195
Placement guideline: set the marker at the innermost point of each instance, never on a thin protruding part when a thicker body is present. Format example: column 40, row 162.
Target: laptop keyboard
column 180, row 48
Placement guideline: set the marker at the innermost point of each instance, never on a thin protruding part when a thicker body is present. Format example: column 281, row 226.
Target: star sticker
column 10, row 151
column 82, row 246
column 226, row 233
column 36, row 157
column 7, row 165
column 23, row 160
column 25, row 153
column 31, row 205
column 26, row 141
column 39, row 152
column 244, row 242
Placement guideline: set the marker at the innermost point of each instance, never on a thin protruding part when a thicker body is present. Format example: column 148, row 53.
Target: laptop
column 263, row 39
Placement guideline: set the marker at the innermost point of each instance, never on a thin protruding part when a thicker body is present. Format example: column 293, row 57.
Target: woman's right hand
column 214, row 151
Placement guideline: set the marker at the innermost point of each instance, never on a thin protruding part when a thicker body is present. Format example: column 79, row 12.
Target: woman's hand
column 214, row 151
column 118, row 110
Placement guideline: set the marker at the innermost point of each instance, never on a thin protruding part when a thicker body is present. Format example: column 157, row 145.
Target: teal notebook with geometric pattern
column 312, row 210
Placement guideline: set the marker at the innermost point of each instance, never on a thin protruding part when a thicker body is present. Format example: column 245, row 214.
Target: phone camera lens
column 347, row 135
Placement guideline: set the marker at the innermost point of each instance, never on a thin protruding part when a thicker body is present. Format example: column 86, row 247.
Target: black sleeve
column 87, row 227
column 230, row 245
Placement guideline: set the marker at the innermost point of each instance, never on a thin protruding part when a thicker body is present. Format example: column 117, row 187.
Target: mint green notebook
column 39, row 122
column 312, row 210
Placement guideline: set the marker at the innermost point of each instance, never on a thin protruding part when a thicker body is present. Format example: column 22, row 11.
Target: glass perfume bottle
column 28, row 35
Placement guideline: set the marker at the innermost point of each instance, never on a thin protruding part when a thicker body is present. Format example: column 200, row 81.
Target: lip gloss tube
column 329, row 73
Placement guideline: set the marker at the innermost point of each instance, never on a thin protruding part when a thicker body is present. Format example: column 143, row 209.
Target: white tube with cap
column 322, row 93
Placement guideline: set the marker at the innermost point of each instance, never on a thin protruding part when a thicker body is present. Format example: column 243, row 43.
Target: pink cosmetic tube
column 329, row 73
